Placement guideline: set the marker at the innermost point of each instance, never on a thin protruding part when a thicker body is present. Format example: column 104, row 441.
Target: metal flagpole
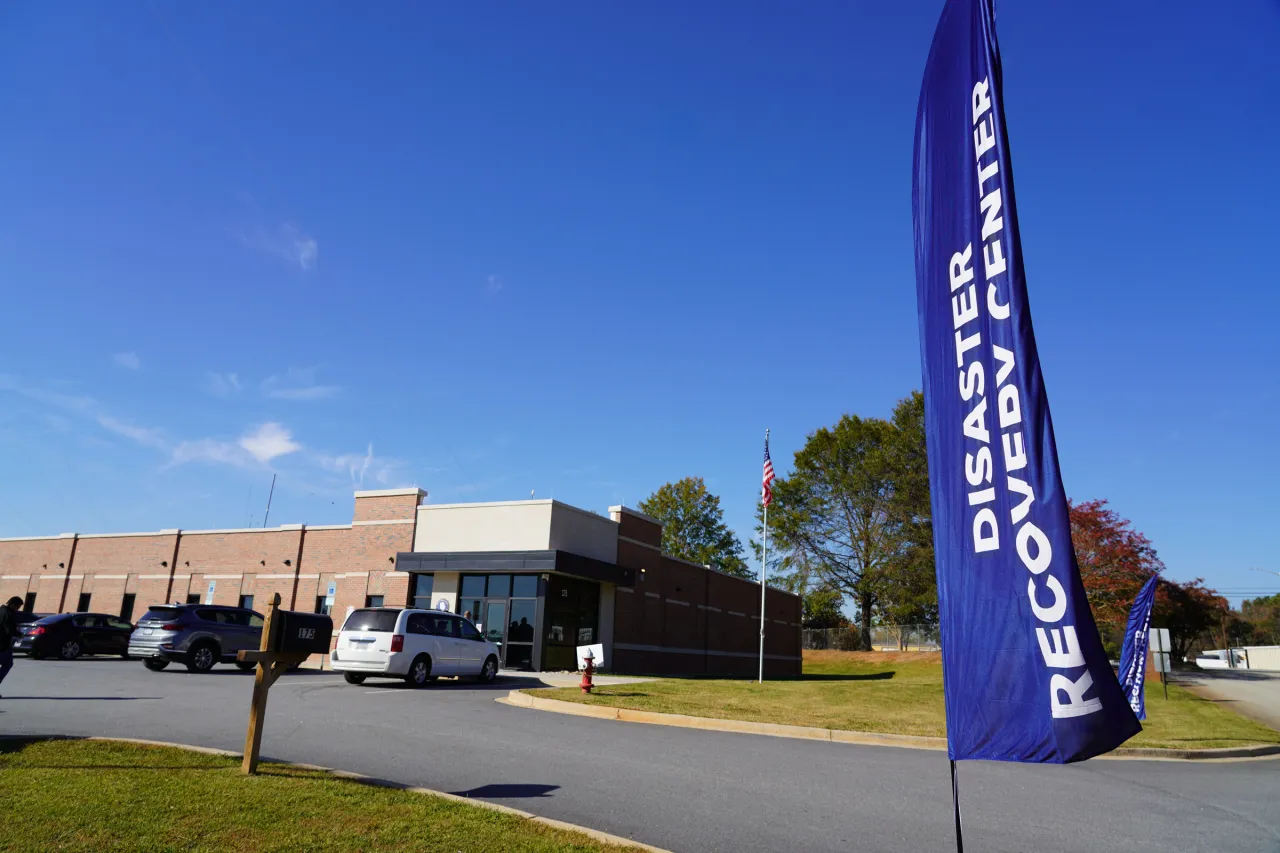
column 764, row 567
column 955, row 804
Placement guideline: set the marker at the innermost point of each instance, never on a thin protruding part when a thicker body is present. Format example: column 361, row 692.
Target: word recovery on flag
column 1059, row 646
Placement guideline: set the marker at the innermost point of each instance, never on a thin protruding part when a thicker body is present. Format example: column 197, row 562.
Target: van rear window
column 383, row 621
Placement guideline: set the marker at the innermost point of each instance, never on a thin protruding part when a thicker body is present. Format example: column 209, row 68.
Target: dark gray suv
column 199, row 635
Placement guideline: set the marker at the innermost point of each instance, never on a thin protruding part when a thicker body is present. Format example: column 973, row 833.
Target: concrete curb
column 361, row 779
column 520, row 699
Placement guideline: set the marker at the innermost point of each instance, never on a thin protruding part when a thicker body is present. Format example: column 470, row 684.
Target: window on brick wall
column 193, row 598
column 246, row 601
column 321, row 607
column 126, row 606
column 82, row 606
column 29, row 604
column 373, row 601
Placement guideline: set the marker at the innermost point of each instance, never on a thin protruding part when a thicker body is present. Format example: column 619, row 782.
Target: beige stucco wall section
column 585, row 533
column 445, row 586
column 501, row 526
column 516, row 526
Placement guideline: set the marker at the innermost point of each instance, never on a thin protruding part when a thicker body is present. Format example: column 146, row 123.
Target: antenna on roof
column 531, row 494
column 269, row 496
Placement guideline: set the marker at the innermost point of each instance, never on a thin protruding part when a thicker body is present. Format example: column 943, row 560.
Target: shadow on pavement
column 1210, row 675
column 508, row 792
column 445, row 683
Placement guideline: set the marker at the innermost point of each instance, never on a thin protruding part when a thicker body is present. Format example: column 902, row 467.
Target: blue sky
column 583, row 249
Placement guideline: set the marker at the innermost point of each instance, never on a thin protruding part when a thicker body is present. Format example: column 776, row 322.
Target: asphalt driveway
column 1249, row 692
column 683, row 789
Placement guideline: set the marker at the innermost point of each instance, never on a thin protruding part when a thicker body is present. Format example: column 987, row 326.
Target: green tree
column 855, row 510
column 822, row 608
column 1264, row 615
column 693, row 526
column 909, row 587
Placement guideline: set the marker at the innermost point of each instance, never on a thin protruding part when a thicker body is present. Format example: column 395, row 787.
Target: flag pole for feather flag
column 766, row 496
column 955, row 807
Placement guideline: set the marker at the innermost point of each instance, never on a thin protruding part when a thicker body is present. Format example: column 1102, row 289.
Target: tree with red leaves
column 1115, row 561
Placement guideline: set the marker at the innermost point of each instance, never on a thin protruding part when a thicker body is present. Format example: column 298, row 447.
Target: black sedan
column 70, row 635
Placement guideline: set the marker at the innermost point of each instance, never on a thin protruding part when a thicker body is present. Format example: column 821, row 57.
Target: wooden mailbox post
column 288, row 638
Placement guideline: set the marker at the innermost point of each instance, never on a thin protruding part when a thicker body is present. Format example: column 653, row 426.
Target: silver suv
column 199, row 635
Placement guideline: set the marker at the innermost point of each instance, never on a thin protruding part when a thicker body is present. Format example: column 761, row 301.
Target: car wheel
column 202, row 658
column 70, row 650
column 353, row 678
column 155, row 665
column 245, row 665
column 419, row 671
column 489, row 672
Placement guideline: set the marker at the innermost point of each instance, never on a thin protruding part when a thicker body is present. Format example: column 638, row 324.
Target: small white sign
column 597, row 655
column 330, row 592
column 443, row 605
column 208, row 596
column 1158, row 638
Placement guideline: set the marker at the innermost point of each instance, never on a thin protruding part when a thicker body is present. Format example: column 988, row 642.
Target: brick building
column 539, row 577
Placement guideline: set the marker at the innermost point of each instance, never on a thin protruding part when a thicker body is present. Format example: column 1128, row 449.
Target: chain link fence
column 839, row 639
column 884, row 638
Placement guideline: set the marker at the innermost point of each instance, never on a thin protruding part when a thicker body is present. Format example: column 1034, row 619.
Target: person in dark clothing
column 8, row 632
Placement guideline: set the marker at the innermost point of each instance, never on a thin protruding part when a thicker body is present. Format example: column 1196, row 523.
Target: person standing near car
column 8, row 631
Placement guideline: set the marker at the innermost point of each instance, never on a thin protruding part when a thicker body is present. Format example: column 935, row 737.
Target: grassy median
column 75, row 795
column 896, row 693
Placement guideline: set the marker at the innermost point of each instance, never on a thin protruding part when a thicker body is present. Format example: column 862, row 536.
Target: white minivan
column 416, row 645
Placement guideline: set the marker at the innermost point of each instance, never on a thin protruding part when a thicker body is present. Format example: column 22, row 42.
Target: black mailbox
column 300, row 632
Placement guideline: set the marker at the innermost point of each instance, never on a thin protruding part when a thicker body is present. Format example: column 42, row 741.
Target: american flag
column 766, row 491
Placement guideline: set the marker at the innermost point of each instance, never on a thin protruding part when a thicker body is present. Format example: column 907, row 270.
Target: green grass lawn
column 896, row 694
column 93, row 795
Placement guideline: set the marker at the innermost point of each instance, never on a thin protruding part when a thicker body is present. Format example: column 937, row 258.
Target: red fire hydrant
column 586, row 684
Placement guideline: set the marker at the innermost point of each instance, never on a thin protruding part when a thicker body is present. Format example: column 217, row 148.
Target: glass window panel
column 473, row 586
column 499, row 586
column 473, row 607
column 422, row 585
column 524, row 586
column 523, row 613
column 469, row 631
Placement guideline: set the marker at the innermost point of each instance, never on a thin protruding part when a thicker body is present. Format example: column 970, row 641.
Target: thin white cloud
column 128, row 360
column 212, row 450
column 297, row 383
column 89, row 408
column 221, row 384
column 269, row 441
column 254, row 449
column 362, row 467
column 142, row 435
column 494, row 283
column 286, row 241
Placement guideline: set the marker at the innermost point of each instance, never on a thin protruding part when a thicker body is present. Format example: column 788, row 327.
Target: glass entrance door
column 519, row 651
column 494, row 622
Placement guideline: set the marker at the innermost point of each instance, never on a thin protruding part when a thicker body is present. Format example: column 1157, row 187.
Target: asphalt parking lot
column 682, row 789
